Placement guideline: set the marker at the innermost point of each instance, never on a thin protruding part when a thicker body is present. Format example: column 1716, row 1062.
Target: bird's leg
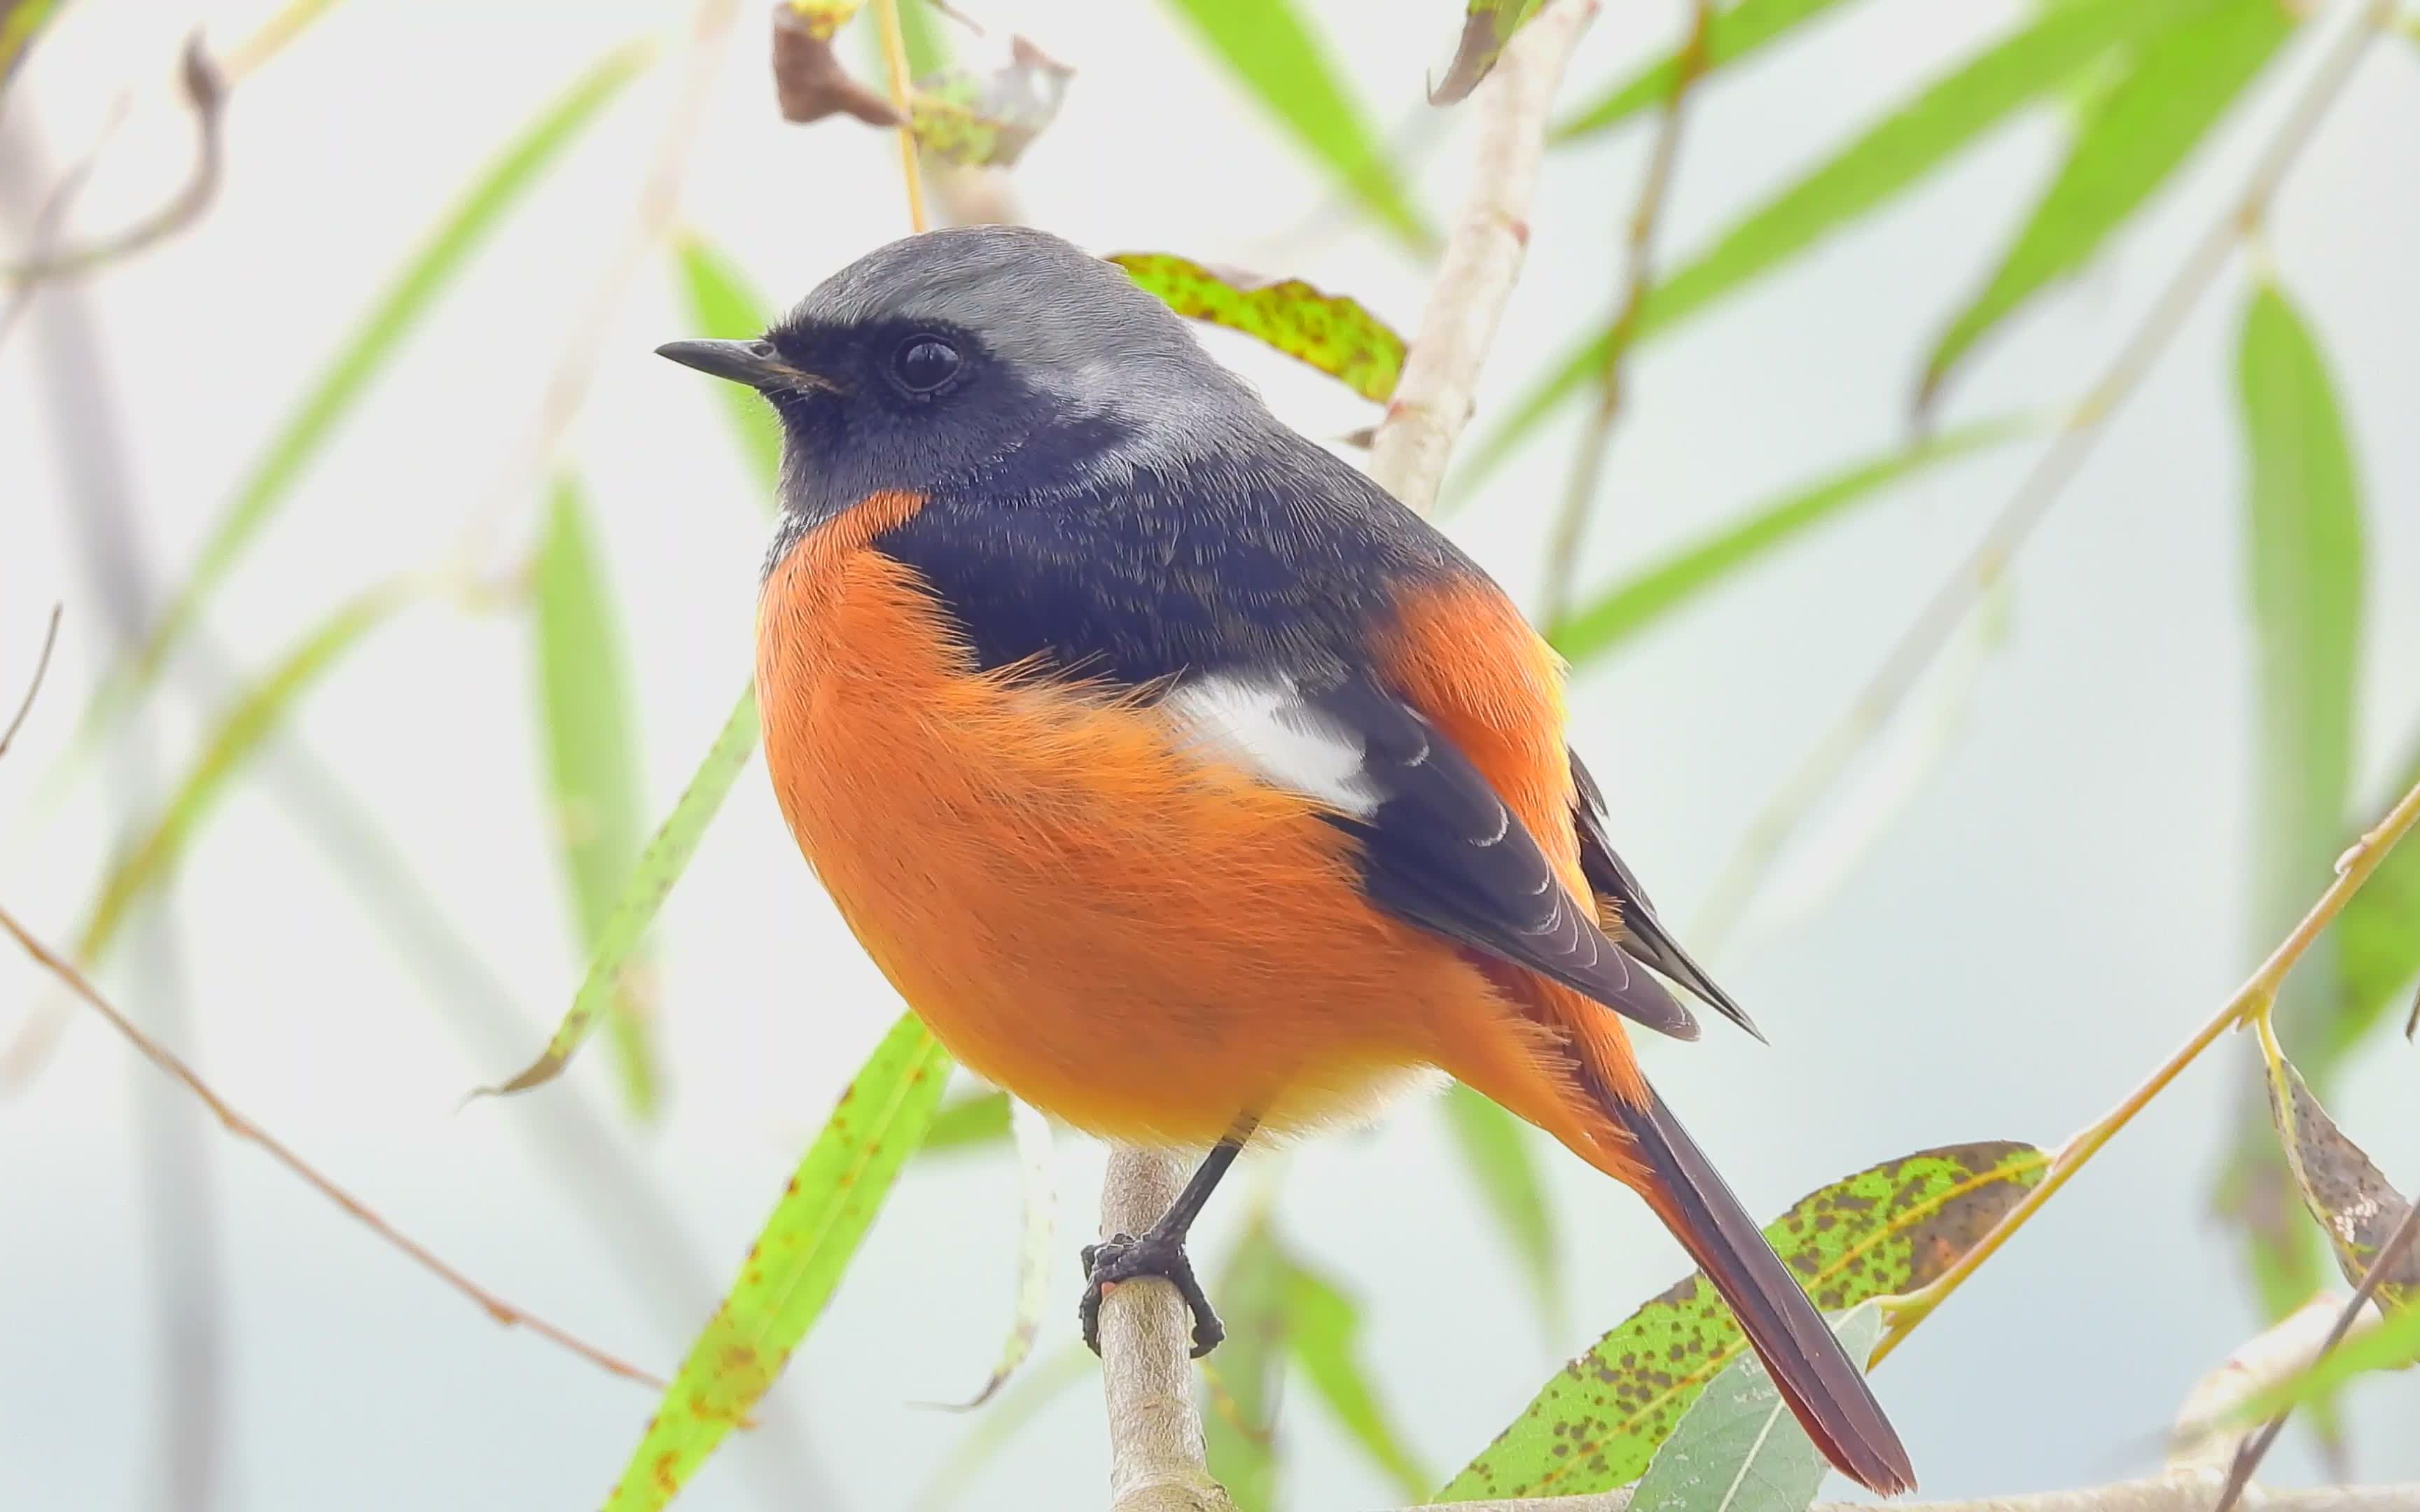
column 1160, row 1250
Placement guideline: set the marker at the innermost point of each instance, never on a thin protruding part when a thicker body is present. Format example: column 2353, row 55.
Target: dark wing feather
column 1644, row 935
column 1440, row 849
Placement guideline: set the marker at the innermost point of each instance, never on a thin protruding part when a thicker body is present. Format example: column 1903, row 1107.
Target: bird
column 1187, row 785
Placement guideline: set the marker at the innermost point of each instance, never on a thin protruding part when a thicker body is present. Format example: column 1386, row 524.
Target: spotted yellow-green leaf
column 1884, row 1231
column 2181, row 81
column 1736, row 32
column 986, row 119
column 1243, row 1377
column 1898, row 151
column 592, row 762
column 1271, row 49
column 643, row 891
column 1498, row 1149
column 793, row 1266
column 1333, row 333
column 2350, row 1199
column 969, row 1121
column 1487, row 27
column 1692, row 571
column 721, row 307
column 1738, row 1448
column 1322, row 1326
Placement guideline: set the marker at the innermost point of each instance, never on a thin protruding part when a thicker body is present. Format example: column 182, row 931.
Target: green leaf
column 1889, row 158
column 965, row 1122
column 1323, row 1334
column 592, row 761
column 251, row 719
column 794, row 1264
column 2183, row 81
column 1886, row 1231
column 2303, row 547
column 1690, row 573
column 722, row 307
column 371, row 345
column 1739, row 1449
column 2377, row 944
column 2393, row 1345
column 1496, row 1146
column 1274, row 52
column 986, row 119
column 1244, row 1375
column 1487, row 28
column 1737, row 32
column 1330, row 331
column 19, row 20
column 644, row 892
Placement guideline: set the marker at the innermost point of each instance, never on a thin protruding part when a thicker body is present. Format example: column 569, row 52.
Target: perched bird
column 1187, row 785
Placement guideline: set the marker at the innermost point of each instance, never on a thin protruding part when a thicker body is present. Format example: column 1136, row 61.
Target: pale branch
column 1938, row 621
column 1482, row 261
column 2186, row 1492
column 2209, row 1428
column 1157, row 1462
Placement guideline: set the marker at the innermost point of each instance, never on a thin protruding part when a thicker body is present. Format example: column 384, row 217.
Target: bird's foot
column 1125, row 1258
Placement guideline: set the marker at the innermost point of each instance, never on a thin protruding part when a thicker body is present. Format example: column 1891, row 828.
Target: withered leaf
column 808, row 79
column 986, row 119
column 2351, row 1199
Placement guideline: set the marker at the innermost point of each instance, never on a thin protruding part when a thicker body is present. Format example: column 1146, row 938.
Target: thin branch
column 2209, row 1428
column 206, row 92
column 2254, row 997
column 2189, row 1492
column 243, row 1128
column 1482, row 261
column 41, row 665
column 894, row 60
column 1933, row 626
column 2390, row 1255
column 1588, row 467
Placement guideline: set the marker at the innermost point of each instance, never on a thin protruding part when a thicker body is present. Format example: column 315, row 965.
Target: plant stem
column 894, row 58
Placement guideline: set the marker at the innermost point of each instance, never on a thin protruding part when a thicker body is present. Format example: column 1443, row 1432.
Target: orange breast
column 1138, row 942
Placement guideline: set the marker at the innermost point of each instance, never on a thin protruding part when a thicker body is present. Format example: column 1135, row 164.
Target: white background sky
column 2057, row 904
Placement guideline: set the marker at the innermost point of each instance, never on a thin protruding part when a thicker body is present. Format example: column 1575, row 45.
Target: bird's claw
column 1125, row 1258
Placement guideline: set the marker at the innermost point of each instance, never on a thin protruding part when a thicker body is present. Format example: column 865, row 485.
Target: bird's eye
column 924, row 364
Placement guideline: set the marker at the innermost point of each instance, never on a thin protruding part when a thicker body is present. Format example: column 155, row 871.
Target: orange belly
column 1138, row 942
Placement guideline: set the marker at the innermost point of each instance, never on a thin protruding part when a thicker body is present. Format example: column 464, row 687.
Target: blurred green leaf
column 1334, row 333
column 1496, row 1146
column 1273, row 51
column 966, row 1121
column 2182, row 81
column 1889, row 158
column 1324, row 1333
column 246, row 723
column 1886, row 1231
column 1692, row 571
column 794, row 1264
column 366, row 352
column 2377, row 942
column 642, row 893
column 2349, row 1197
column 1003, row 1420
column 1488, row 26
column 19, row 20
column 592, row 763
column 2393, row 1345
column 1245, row 1373
column 722, row 307
column 986, row 119
column 1738, row 31
column 2304, row 546
column 1038, row 1221
column 1739, row 1449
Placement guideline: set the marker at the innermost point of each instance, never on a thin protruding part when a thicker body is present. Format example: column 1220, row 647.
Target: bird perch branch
column 1156, row 1462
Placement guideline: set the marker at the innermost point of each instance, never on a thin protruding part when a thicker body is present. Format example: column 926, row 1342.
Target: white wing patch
column 1261, row 721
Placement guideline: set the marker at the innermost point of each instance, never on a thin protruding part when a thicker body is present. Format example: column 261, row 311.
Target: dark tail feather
column 1822, row 1386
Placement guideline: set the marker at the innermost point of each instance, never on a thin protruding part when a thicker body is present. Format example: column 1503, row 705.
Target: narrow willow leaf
column 1886, row 1231
column 1333, row 333
column 1271, row 48
column 251, row 719
column 2349, row 1197
column 366, row 352
column 1006, row 1417
column 1739, row 1449
column 1323, row 1336
column 793, row 1266
column 974, row 1121
column 592, row 762
column 1503, row 1161
column 1038, row 1221
column 1688, row 573
column 2181, row 80
column 986, row 119
column 1487, row 28
column 2377, row 944
column 642, row 893
column 1737, row 32
column 1245, row 1373
column 2303, row 548
column 2393, row 1345
column 1888, row 159
column 721, row 307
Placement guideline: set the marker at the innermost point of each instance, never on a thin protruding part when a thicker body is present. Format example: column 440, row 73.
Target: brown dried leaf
column 2351, row 1199
column 808, row 79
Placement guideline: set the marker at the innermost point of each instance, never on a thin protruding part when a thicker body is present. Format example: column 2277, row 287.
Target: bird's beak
column 753, row 362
